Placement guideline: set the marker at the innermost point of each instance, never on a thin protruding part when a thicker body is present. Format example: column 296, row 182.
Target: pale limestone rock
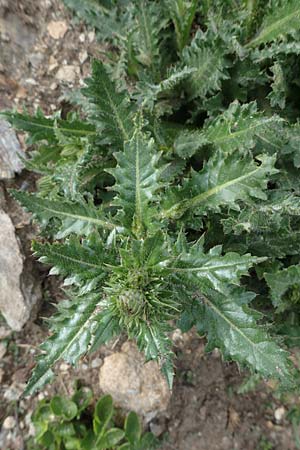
column 10, row 162
column 19, row 294
column 58, row 29
column 9, row 423
column 134, row 384
column 67, row 73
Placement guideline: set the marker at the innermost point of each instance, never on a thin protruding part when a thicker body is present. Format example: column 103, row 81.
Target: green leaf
column 212, row 268
column 82, row 398
column 113, row 437
column 146, row 37
column 222, row 182
column 154, row 342
column 188, row 142
column 239, row 127
column 103, row 413
column 208, row 58
column 182, row 14
column 79, row 218
column 41, row 128
column 137, row 179
column 133, row 429
column 112, row 111
column 63, row 407
column 232, row 327
column 73, row 330
column 279, row 87
column 285, row 287
column 83, row 260
column 283, row 20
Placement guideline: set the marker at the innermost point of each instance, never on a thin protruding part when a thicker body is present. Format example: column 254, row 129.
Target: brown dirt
column 205, row 412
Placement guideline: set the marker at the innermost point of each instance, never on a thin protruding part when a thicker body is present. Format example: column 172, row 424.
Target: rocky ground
column 43, row 55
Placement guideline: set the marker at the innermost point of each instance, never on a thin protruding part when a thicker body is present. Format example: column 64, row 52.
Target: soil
column 206, row 412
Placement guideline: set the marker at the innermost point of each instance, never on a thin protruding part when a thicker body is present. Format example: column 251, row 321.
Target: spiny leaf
column 212, row 268
column 239, row 127
column 280, row 282
column 182, row 14
column 208, row 58
column 79, row 218
column 154, row 342
column 279, row 22
column 232, row 327
column 222, row 181
column 112, row 112
column 83, row 261
column 137, row 179
column 41, row 128
column 73, row 330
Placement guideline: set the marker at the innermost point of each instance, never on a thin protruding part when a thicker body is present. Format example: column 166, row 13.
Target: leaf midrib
column 270, row 28
column 182, row 206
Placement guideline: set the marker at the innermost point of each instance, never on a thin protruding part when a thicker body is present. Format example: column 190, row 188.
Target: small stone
column 20, row 291
column 53, row 64
column 81, row 37
column 134, row 384
column 9, row 423
column 83, row 56
column 157, row 429
column 10, row 149
column 279, row 413
column 53, row 86
column 21, row 92
column 31, row 81
column 36, row 59
column 64, row 367
column 84, row 366
column 3, row 348
column 14, row 392
column 97, row 362
column 91, row 36
column 4, row 332
column 67, row 73
column 58, row 29
column 41, row 396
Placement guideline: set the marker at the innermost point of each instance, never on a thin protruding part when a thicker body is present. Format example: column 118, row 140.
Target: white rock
column 19, row 294
column 2, row 349
column 10, row 150
column 58, row 29
column 133, row 384
column 279, row 413
column 81, row 37
column 97, row 362
column 14, row 392
column 9, row 423
column 83, row 56
column 91, row 36
column 68, row 73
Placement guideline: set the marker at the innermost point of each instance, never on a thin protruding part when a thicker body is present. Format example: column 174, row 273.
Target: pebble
column 3, row 348
column 9, row 423
column 81, row 37
column 64, row 367
column 83, row 56
column 91, row 36
column 97, row 362
column 58, row 29
column 279, row 413
column 68, row 73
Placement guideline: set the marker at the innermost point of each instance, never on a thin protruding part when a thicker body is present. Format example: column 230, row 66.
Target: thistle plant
column 177, row 181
